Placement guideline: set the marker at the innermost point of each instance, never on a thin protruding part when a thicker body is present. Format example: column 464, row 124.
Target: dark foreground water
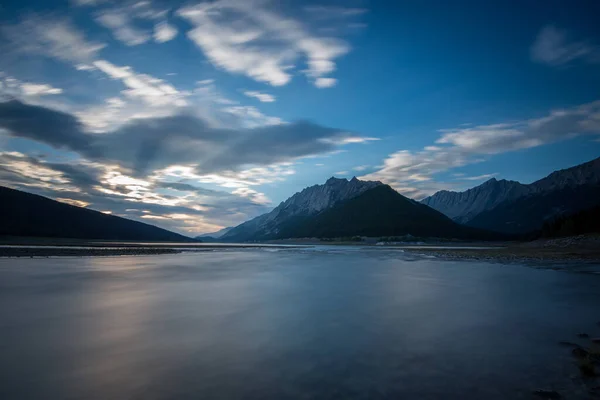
column 289, row 324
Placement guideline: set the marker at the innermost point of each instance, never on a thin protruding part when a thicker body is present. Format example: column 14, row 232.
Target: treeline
column 583, row 222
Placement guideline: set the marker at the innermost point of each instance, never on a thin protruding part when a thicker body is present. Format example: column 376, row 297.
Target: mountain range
column 26, row 214
column 345, row 208
column 513, row 207
column 341, row 208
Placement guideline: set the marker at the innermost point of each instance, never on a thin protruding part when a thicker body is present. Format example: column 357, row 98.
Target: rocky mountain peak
column 309, row 201
column 333, row 180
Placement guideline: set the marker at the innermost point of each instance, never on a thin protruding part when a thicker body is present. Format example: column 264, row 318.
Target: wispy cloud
column 151, row 90
column 13, row 87
column 36, row 89
column 330, row 12
column 84, row 3
column 349, row 139
column 263, row 97
column 248, row 38
column 50, row 36
column 163, row 32
column 122, row 27
column 554, row 47
column 255, row 196
column 479, row 177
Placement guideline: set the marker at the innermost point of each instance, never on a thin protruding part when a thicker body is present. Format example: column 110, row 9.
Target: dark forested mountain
column 309, row 201
column 530, row 213
column 26, row 214
column 511, row 206
column 583, row 222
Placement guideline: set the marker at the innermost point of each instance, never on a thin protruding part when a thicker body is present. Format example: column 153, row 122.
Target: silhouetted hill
column 529, row 213
column 26, row 214
column 581, row 223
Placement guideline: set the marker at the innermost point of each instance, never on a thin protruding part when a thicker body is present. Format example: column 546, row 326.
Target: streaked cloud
column 248, row 38
column 52, row 37
column 413, row 172
column 255, row 196
column 479, row 177
column 349, row 139
column 153, row 143
column 122, row 27
column 36, row 89
column 153, row 91
column 251, row 117
column 13, row 87
column 263, row 97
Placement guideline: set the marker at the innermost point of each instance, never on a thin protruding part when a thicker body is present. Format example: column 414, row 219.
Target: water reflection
column 297, row 323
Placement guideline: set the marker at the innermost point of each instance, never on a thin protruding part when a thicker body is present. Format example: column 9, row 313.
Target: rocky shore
column 583, row 249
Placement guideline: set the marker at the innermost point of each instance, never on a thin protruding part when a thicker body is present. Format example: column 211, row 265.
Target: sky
column 198, row 115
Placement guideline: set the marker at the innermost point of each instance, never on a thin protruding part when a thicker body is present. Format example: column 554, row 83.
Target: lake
column 277, row 323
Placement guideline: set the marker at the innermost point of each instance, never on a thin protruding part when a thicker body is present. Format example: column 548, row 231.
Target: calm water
column 321, row 323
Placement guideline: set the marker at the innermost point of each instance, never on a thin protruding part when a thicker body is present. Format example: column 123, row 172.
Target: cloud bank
column 412, row 173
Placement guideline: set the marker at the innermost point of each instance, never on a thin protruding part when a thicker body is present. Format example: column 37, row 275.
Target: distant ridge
column 464, row 206
column 26, row 214
column 501, row 204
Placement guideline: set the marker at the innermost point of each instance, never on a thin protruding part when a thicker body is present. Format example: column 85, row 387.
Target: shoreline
column 583, row 249
column 42, row 248
column 41, row 252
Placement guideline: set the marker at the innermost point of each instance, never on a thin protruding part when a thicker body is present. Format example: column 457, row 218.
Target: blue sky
column 198, row 115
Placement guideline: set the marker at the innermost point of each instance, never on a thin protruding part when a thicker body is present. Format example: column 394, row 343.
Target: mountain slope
column 215, row 235
column 26, row 214
column 309, row 201
column 465, row 206
column 581, row 223
column 380, row 211
column 529, row 213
